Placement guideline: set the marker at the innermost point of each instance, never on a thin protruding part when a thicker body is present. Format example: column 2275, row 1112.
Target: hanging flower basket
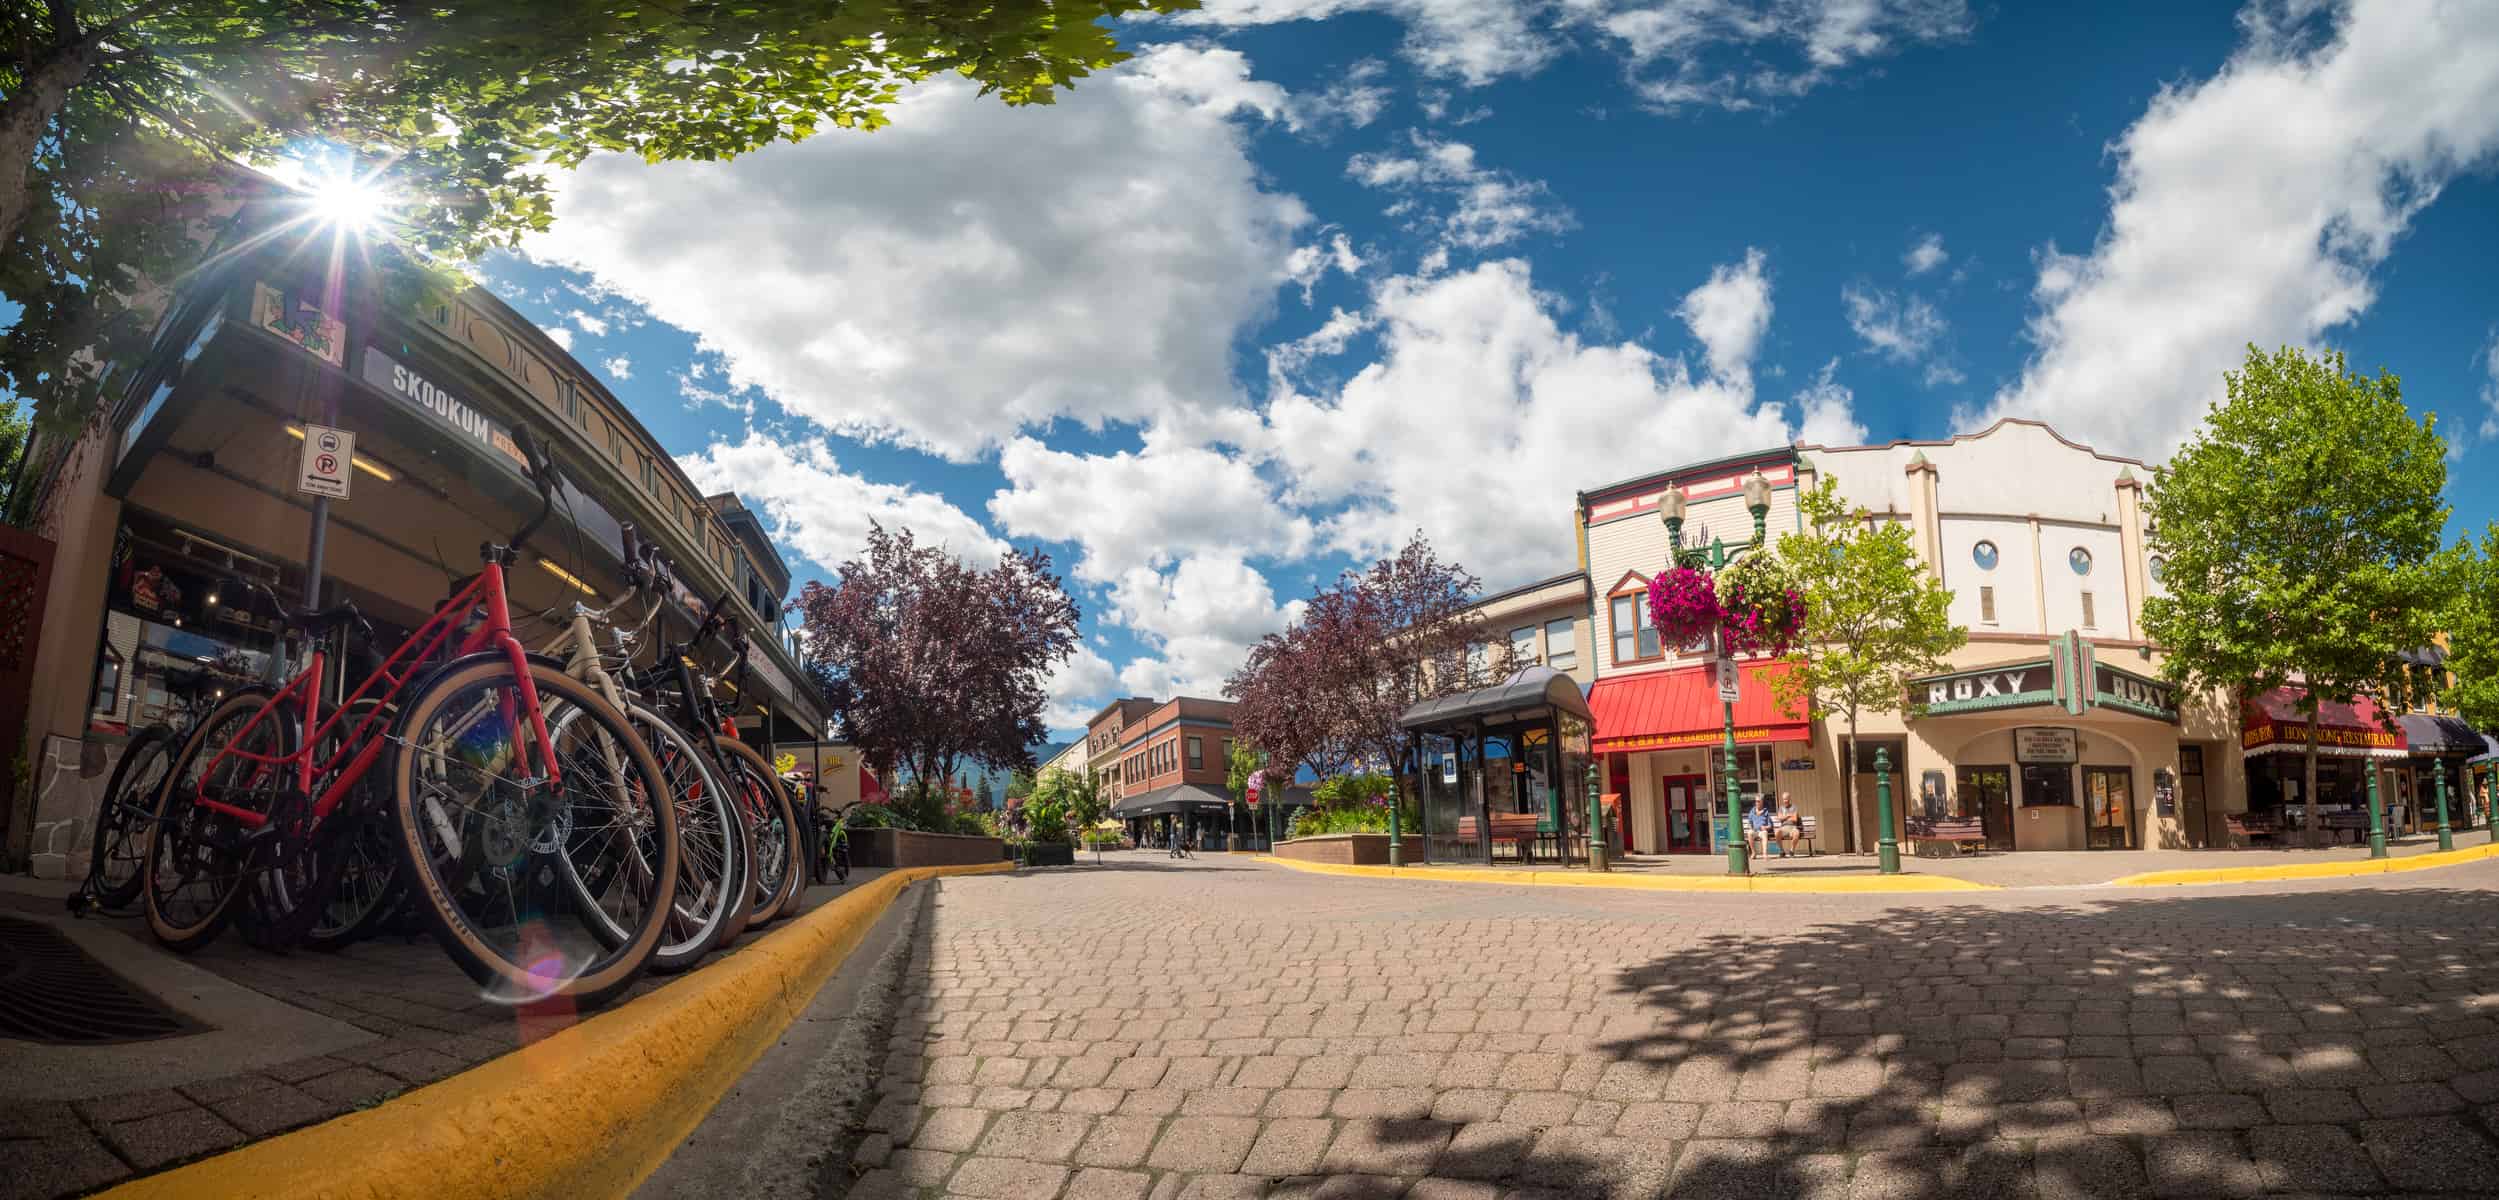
column 1761, row 610
column 1684, row 605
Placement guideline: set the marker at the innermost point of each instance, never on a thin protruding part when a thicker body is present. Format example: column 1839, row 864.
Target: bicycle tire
column 191, row 831
column 841, row 859
column 719, row 870
column 291, row 899
column 778, row 836
column 121, row 822
column 364, row 865
column 521, row 822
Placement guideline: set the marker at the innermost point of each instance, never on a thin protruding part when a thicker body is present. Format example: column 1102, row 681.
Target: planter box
column 904, row 848
column 1050, row 854
column 1347, row 849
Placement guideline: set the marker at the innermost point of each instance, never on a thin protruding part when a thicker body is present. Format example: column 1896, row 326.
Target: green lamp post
column 2446, row 836
column 2377, row 818
column 2490, row 811
column 1597, row 856
column 1716, row 556
column 1887, row 846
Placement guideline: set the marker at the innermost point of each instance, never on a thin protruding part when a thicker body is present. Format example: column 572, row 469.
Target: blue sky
column 1309, row 274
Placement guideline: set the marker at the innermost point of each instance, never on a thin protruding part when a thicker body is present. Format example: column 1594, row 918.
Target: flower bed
column 1347, row 849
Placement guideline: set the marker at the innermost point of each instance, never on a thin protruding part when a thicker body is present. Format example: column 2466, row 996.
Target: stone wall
column 70, row 777
column 1347, row 849
column 903, row 848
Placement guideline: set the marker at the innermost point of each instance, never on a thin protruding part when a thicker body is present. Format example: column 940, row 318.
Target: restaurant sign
column 2267, row 731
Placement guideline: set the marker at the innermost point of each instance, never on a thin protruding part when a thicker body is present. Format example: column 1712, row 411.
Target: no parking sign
column 327, row 455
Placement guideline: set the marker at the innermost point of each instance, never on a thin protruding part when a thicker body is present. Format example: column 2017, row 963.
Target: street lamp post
column 1715, row 557
column 1887, row 847
column 2446, row 836
column 2377, row 818
column 1597, row 856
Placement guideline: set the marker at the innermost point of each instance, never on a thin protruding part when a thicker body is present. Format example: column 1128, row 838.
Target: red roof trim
column 1668, row 709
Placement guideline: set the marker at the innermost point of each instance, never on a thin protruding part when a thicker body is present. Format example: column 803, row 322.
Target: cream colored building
column 2051, row 726
column 1544, row 623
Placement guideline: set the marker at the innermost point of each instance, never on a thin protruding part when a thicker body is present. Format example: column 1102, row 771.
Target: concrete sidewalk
column 289, row 1040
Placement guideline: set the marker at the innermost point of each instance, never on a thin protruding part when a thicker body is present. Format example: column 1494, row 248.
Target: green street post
column 1716, row 558
column 2446, row 836
column 2377, row 817
column 1597, row 856
column 1887, row 846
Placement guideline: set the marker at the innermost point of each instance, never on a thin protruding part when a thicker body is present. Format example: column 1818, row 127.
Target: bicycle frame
column 361, row 747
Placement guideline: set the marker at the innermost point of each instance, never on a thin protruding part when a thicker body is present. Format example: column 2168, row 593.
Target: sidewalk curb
column 1648, row 883
column 2323, row 870
column 588, row 1111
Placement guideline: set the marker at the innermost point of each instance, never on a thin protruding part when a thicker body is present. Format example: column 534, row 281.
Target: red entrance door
column 1687, row 813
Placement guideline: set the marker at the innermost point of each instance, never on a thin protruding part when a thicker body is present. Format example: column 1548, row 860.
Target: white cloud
column 1729, row 314
column 1356, row 99
column 620, row 366
column 823, row 512
column 1482, row 415
column 2490, row 386
column 1734, row 54
column 1898, row 326
column 2254, row 207
column 1307, row 265
column 1199, row 617
column 595, row 326
column 1826, row 413
column 972, row 269
column 1078, row 688
column 1926, row 255
column 560, row 336
column 1129, row 511
column 1487, row 207
column 1474, row 41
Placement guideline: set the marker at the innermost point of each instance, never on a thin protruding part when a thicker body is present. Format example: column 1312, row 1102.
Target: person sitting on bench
column 1788, row 824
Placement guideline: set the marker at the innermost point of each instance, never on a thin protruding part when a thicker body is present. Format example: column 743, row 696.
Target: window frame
column 1639, row 621
column 1987, row 604
column 1197, row 753
column 1567, row 658
column 1529, row 653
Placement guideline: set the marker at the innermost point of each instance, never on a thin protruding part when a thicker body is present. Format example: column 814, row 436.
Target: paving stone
column 57, row 1166
column 1289, row 1147
column 2088, row 1166
column 1097, row 1183
column 1740, row 1119
column 2432, row 1154
column 2409, row 1099
column 1118, row 1141
column 275, row 1110
column 1007, row 1179
column 1386, row 1103
column 1204, row 1144
column 951, row 1130
column 2311, row 1158
column 2128, row 1115
column 2218, row 1110
column 1436, row 1188
column 130, row 1106
column 156, row 1141
column 1387, row 1147
column 1540, row 1109
column 1658, row 1121
column 1486, row 1150
column 2317, row 1106
column 1038, row 1136
column 2173, row 1075
column 2200, row 1163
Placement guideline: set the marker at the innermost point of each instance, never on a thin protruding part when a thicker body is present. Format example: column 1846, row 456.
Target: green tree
column 1020, row 784
column 1874, row 619
column 2300, row 532
column 1072, row 793
column 115, row 114
column 2473, row 636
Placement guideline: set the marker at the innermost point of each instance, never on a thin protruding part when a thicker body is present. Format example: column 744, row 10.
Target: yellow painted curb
column 1648, row 883
column 2318, row 870
column 589, row 1111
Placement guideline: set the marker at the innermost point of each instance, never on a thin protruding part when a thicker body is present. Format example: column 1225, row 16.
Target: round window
column 2159, row 565
column 2080, row 560
column 1984, row 554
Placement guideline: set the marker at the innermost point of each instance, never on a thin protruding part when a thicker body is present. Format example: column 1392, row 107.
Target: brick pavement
column 1220, row 1028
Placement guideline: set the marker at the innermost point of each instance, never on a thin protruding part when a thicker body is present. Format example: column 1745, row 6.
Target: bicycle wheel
column 292, row 900
column 779, row 881
column 503, row 863
column 117, row 861
column 841, row 856
column 712, row 847
column 198, row 858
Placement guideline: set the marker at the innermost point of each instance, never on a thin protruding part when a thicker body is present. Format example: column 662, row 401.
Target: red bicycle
column 546, row 861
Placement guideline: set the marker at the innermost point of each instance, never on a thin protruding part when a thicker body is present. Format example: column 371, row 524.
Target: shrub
column 1047, row 818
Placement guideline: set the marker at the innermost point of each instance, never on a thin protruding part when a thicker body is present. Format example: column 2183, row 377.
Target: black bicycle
column 118, row 851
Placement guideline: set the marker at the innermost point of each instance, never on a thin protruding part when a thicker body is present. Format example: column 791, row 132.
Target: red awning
column 871, row 791
column 2272, row 723
column 1663, row 710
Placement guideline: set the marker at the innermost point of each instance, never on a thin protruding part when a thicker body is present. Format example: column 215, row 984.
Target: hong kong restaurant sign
column 2267, row 730
column 2057, row 681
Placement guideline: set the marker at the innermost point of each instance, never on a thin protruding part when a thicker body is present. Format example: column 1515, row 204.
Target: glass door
column 2108, row 808
column 1687, row 813
column 1987, row 793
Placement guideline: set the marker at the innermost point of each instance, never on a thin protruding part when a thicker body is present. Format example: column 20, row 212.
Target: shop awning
column 2273, row 724
column 1668, row 709
column 1527, row 691
column 2427, row 734
column 1178, row 798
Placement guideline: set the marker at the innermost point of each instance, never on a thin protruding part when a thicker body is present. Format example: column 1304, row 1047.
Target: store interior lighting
column 366, row 465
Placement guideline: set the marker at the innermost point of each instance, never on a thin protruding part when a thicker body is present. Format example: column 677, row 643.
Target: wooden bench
column 1520, row 830
column 1807, row 829
column 1946, row 838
